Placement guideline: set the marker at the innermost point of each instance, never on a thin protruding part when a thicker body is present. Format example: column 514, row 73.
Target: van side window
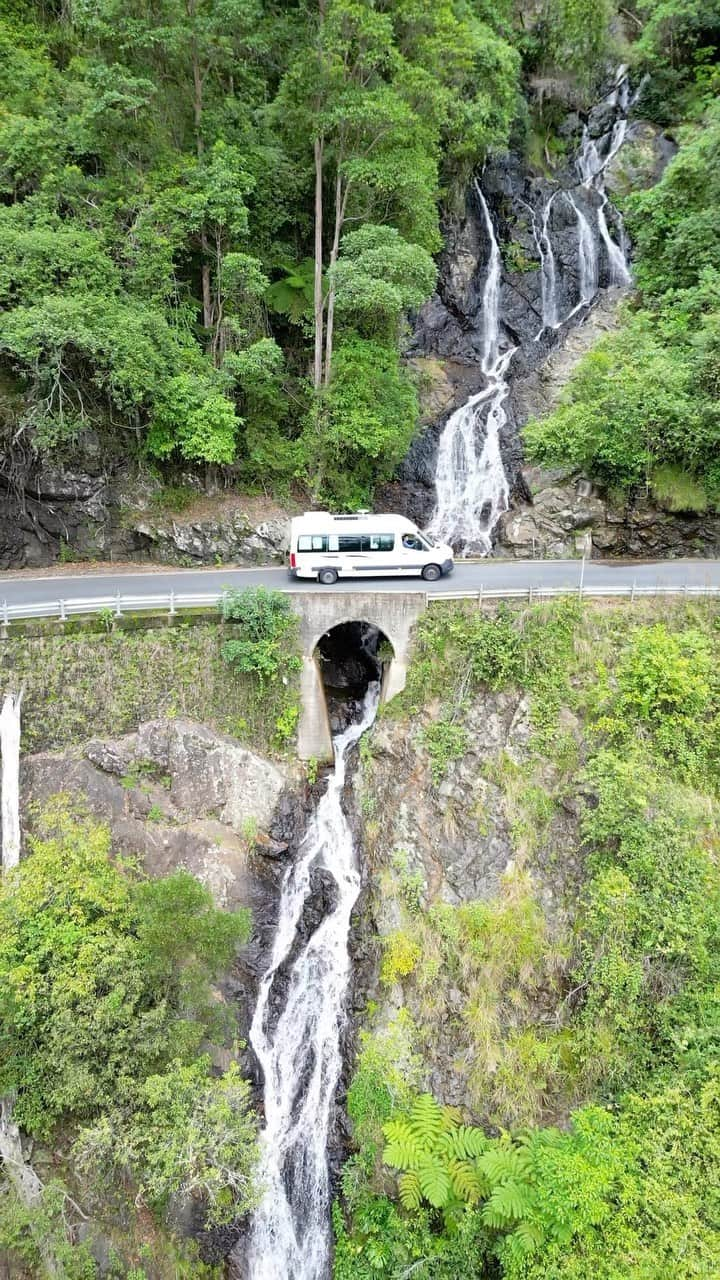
column 378, row 542
column 351, row 543
column 312, row 542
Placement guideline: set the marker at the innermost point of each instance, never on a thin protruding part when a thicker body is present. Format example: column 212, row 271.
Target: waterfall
column 472, row 488
column 299, row 1053
column 10, row 796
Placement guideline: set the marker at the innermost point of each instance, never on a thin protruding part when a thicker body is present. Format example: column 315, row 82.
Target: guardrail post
column 582, row 576
column 118, row 610
column 63, row 615
column 480, row 596
column 5, row 614
column 530, row 591
column 632, row 593
column 172, row 611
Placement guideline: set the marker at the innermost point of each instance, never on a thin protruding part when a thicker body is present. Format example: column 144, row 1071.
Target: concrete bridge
column 394, row 614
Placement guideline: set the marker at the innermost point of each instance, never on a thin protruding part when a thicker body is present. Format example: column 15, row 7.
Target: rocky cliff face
column 179, row 796
column 83, row 515
column 471, row 838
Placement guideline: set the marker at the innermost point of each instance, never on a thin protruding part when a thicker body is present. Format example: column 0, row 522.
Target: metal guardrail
column 633, row 591
column 169, row 602
column 172, row 602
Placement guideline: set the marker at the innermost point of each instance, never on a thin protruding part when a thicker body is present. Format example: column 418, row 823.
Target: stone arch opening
column 349, row 656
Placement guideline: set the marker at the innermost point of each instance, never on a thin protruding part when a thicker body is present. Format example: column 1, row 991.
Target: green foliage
column 575, row 35
column 28, row 1236
column 94, row 683
column 386, row 1073
column 379, row 276
column 444, row 742
column 400, row 956
column 616, row 1020
column 666, row 688
column 363, row 425
column 629, row 406
column 188, row 1134
column 268, row 640
column 105, row 976
column 156, row 168
column 190, row 418
column 675, row 490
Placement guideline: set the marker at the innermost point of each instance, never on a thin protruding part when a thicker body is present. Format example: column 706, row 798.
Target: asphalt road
column 471, row 577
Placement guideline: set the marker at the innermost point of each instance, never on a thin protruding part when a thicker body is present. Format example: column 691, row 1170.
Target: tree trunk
column 318, row 292
column 340, row 206
column 27, row 1186
column 199, row 148
column 206, row 289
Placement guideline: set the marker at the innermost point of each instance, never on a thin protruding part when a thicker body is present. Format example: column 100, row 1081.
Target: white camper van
column 328, row 547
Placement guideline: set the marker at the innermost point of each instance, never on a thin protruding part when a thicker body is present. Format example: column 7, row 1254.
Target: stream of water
column 299, row 1051
column 10, row 794
column 470, row 482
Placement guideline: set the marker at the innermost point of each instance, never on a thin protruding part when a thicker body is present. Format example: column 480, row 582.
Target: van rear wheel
column 327, row 577
column 432, row 572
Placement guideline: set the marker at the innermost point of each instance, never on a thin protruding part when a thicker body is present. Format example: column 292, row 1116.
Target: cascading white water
column 472, row 488
column 10, row 797
column 587, row 255
column 548, row 271
column 300, row 1052
column 591, row 168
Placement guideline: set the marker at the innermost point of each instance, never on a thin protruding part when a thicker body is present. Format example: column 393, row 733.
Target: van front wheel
column 432, row 572
column 327, row 577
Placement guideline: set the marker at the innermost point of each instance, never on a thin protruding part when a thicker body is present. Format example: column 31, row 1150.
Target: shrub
column 401, row 954
column 444, row 741
column 267, row 643
column 104, row 977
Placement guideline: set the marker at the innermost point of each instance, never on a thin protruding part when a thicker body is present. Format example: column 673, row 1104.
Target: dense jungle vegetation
column 581, row 1003
column 216, row 214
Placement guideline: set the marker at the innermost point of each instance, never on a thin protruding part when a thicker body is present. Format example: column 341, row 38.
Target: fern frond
column 409, row 1189
column 465, row 1181
column 451, row 1118
column 525, row 1239
column 426, row 1120
column 508, row 1203
column 434, row 1183
column 500, row 1164
column 402, row 1149
column 462, row 1143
